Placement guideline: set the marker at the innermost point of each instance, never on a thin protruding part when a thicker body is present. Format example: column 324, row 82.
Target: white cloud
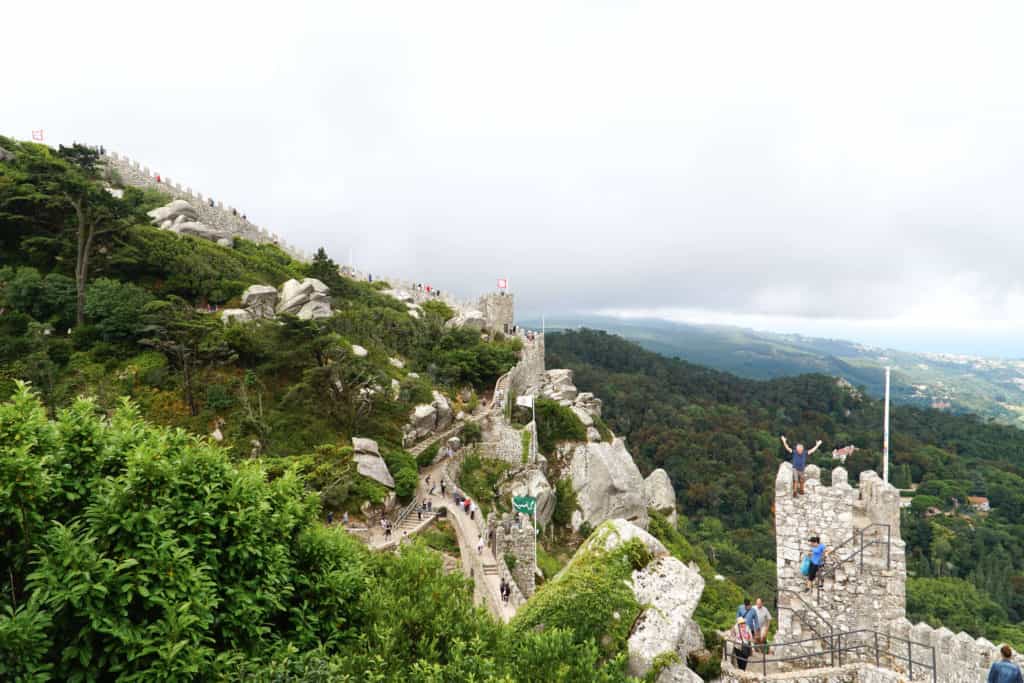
column 796, row 161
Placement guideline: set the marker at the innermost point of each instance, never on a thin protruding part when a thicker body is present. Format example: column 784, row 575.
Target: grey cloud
column 801, row 161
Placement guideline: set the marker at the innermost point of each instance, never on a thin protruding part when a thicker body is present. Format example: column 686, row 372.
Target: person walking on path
column 742, row 643
column 818, row 554
column 748, row 614
column 480, row 545
column 800, row 456
column 764, row 618
column 1005, row 670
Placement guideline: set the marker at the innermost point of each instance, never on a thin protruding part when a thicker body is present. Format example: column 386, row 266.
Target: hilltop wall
column 228, row 218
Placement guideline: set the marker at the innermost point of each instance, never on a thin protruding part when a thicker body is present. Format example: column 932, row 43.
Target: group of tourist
column 750, row 631
column 427, row 289
column 505, row 588
column 468, row 506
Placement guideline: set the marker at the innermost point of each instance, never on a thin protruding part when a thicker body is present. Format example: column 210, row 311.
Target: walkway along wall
column 224, row 218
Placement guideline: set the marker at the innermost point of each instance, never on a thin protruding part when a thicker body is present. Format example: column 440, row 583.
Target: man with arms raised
column 799, row 463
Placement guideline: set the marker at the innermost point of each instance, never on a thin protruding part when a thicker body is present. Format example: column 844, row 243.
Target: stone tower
column 865, row 583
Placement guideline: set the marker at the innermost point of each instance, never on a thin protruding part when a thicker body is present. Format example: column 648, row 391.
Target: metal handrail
column 828, row 638
column 830, row 569
column 871, row 646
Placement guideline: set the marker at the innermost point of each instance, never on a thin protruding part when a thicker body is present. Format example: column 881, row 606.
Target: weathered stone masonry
column 218, row 216
column 872, row 597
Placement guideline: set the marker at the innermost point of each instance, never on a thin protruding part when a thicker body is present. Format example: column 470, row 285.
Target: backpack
column 805, row 566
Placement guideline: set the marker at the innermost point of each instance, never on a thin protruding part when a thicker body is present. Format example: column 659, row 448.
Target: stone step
column 491, row 569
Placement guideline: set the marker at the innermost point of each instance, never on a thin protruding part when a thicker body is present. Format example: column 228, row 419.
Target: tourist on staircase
column 799, row 463
column 742, row 643
column 764, row 618
column 747, row 612
column 817, row 558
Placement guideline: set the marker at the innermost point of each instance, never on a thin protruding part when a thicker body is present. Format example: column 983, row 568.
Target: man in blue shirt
column 748, row 614
column 1005, row 670
column 799, row 463
column 818, row 553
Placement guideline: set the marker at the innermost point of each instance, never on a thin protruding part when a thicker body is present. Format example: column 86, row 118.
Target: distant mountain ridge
column 992, row 388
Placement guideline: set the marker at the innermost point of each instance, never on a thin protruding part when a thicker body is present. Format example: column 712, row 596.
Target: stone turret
column 863, row 598
column 862, row 528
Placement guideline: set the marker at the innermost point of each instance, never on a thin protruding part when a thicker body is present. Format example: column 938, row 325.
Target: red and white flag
column 37, row 135
column 502, row 283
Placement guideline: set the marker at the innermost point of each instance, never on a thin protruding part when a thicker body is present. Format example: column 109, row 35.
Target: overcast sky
column 845, row 169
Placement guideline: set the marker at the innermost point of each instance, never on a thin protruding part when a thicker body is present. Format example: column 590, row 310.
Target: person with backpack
column 800, row 456
column 748, row 614
column 812, row 562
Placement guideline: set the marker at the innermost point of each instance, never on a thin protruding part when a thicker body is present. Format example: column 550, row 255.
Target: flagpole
column 885, row 432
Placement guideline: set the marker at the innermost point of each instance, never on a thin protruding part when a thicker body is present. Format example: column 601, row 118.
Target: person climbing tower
column 799, row 463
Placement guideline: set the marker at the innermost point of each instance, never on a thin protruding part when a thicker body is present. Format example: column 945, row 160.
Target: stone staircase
column 490, row 569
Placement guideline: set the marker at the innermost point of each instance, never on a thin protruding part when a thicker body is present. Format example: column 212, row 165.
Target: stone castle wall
column 521, row 543
column 529, row 371
column 499, row 311
column 871, row 598
column 229, row 219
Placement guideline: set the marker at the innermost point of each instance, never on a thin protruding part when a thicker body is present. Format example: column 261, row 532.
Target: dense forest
column 717, row 436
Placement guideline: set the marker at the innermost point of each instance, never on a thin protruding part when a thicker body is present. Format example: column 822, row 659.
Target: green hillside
column 717, row 436
column 992, row 388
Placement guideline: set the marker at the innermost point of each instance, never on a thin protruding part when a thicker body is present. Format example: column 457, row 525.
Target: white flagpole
column 885, row 437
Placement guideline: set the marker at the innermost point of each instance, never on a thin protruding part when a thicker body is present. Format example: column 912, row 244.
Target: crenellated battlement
column 213, row 213
column 863, row 592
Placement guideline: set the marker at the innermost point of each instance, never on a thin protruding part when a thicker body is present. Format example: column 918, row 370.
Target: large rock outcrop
column 181, row 217
column 665, row 589
column 474, row 320
column 428, row 418
column 369, row 462
column 671, row 590
column 659, row 494
column 558, row 386
column 260, row 300
column 307, row 299
column 608, row 484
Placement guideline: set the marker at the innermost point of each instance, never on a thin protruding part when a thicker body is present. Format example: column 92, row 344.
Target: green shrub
column 566, row 502
column 115, row 309
column 548, row 563
column 403, row 470
column 527, row 437
column 510, row 561
column 602, row 428
column 591, row 597
column 471, row 433
column 479, row 479
column 556, row 423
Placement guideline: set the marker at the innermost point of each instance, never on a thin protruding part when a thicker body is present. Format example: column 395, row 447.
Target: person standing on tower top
column 799, row 463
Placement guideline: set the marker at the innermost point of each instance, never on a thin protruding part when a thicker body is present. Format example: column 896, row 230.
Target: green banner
column 524, row 504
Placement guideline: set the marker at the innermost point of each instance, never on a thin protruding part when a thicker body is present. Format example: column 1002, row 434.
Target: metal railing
column 830, row 568
column 825, row 633
column 859, row 646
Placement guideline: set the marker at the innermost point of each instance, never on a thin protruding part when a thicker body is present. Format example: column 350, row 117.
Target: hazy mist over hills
column 991, row 387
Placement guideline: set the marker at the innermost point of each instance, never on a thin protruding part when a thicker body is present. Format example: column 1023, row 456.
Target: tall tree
column 187, row 337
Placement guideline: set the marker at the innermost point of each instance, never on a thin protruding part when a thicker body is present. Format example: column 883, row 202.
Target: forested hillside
column 717, row 436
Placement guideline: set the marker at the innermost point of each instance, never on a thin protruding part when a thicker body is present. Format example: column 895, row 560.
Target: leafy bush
column 527, row 437
column 591, row 597
column 556, row 423
column 471, row 433
column 479, row 479
column 115, row 309
column 566, row 502
column 403, row 470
